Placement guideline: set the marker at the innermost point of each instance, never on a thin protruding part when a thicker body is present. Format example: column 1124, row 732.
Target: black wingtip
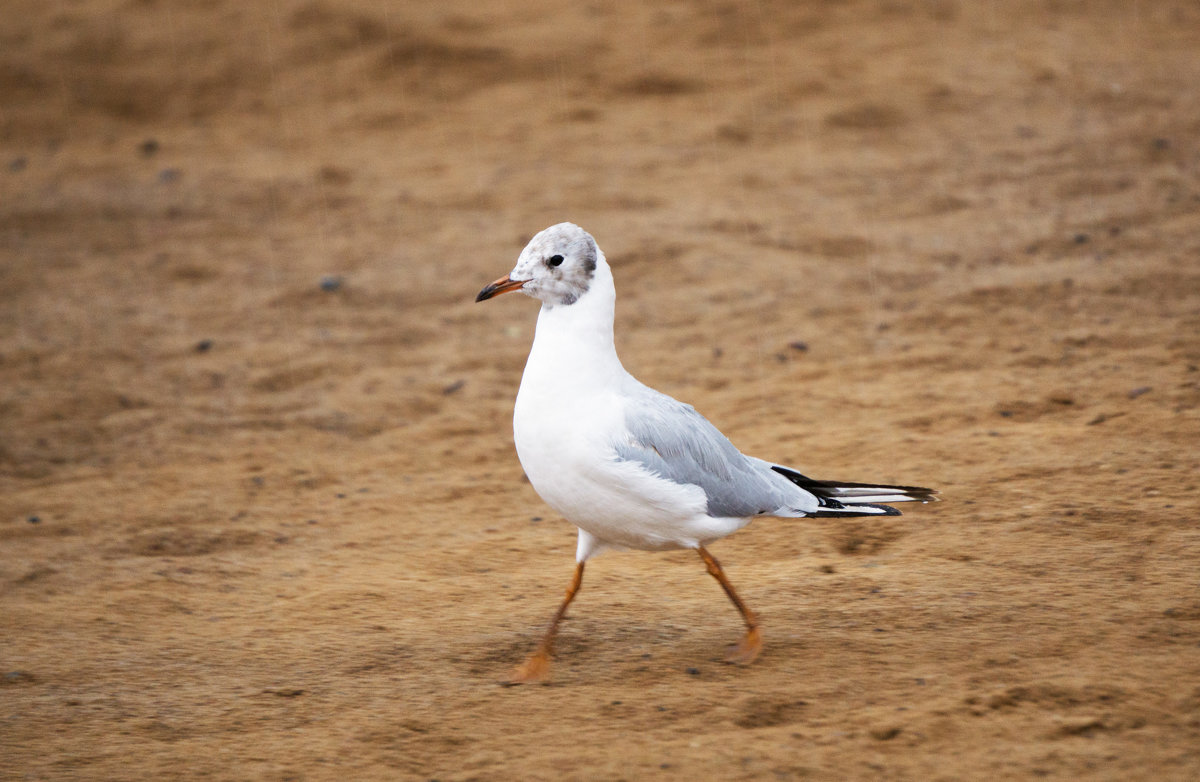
column 843, row 491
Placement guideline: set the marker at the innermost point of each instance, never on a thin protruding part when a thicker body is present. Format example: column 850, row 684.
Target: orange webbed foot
column 747, row 650
column 536, row 668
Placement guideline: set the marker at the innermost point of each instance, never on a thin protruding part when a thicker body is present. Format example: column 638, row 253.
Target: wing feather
column 672, row 440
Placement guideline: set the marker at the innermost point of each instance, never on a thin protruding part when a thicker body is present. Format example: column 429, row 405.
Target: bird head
column 557, row 267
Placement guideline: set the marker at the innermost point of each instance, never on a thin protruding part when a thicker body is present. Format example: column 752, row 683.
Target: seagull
column 631, row 467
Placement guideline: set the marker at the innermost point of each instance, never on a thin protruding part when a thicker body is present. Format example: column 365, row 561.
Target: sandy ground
column 260, row 513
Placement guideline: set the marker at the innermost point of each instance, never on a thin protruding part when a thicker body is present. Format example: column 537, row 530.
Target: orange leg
column 537, row 666
column 750, row 646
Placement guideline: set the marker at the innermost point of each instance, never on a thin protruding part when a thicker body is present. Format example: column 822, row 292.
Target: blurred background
column 260, row 512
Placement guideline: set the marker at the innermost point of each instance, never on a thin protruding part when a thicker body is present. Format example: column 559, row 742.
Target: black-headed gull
column 629, row 466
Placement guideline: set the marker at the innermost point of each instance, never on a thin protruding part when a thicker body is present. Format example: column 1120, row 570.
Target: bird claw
column 747, row 650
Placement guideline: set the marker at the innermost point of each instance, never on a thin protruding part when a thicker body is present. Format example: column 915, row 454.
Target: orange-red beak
column 502, row 285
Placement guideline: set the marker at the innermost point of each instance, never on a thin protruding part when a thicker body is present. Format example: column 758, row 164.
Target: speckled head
column 557, row 267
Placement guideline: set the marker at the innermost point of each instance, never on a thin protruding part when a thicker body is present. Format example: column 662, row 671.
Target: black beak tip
column 485, row 294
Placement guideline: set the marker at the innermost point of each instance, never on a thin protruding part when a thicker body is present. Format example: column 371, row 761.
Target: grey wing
column 675, row 442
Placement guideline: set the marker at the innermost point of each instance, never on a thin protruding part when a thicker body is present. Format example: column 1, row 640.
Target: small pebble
column 17, row 165
column 204, row 345
column 1135, row 393
column 148, row 147
column 331, row 283
column 34, row 519
column 693, row 671
column 169, row 175
column 800, row 345
column 455, row 386
column 1082, row 238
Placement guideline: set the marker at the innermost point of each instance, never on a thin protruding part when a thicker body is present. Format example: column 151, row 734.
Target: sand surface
column 260, row 513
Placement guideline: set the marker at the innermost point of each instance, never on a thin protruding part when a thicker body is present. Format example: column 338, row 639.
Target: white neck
column 575, row 341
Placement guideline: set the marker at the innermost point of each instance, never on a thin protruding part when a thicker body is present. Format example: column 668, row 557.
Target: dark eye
column 554, row 260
